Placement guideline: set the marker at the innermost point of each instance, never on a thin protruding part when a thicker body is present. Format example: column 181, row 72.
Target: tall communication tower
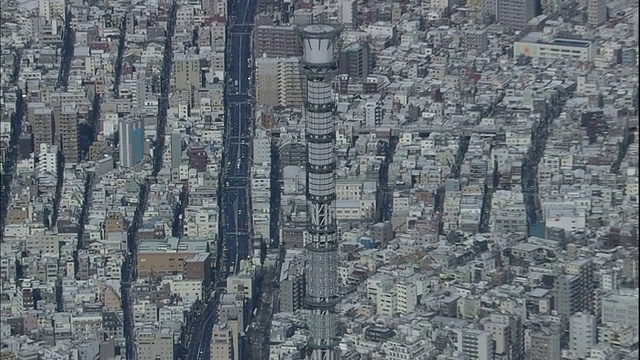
column 321, row 297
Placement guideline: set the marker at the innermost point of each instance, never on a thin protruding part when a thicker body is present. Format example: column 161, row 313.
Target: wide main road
column 236, row 231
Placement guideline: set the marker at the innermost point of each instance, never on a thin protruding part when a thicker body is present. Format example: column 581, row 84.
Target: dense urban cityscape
column 322, row 180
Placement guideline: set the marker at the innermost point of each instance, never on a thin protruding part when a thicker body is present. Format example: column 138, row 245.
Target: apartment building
column 515, row 14
column 66, row 120
column 186, row 72
column 40, row 117
column 280, row 82
column 277, row 41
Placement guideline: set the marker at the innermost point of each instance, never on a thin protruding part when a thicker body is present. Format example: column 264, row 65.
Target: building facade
column 536, row 46
column 131, row 141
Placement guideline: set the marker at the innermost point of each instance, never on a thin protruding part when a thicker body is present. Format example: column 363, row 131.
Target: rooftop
column 173, row 245
column 541, row 38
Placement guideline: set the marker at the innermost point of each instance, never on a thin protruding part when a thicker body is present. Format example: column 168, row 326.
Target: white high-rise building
column 476, row 344
column 48, row 159
column 583, row 333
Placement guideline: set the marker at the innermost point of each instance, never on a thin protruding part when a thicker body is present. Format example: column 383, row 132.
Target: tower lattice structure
column 321, row 293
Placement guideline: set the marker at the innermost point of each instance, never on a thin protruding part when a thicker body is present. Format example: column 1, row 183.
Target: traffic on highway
column 236, row 234
column 235, row 230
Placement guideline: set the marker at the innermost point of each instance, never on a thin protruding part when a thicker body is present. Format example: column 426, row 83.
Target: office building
column 131, row 134
column 277, row 41
column 186, row 72
column 515, row 14
column 40, row 117
column 221, row 342
column 621, row 308
column 582, row 333
column 354, row 60
column 66, row 121
column 596, row 12
column 154, row 344
column 539, row 46
column 279, row 82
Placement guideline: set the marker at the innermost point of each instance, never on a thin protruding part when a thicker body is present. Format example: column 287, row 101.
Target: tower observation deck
column 321, row 296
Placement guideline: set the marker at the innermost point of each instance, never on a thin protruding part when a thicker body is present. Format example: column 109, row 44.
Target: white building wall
column 582, row 332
